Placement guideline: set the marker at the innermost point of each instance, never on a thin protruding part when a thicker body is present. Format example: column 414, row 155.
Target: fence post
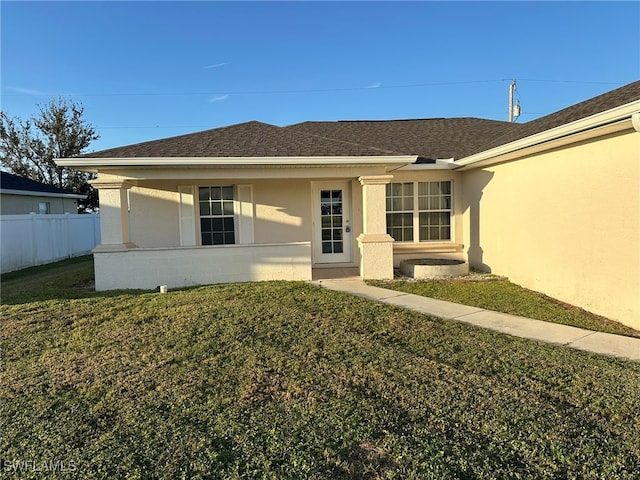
column 67, row 221
column 34, row 254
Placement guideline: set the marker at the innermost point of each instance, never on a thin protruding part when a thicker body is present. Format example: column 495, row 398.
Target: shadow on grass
column 67, row 279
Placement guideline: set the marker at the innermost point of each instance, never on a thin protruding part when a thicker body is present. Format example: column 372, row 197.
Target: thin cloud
column 215, row 65
column 30, row 91
column 374, row 85
column 218, row 98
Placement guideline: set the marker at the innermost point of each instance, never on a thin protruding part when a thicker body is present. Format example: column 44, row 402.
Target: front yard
column 284, row 380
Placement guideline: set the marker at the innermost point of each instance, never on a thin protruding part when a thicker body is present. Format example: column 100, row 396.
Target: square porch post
column 376, row 246
column 114, row 216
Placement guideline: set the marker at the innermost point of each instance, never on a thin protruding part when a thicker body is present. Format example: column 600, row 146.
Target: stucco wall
column 23, row 204
column 565, row 223
column 154, row 215
column 181, row 267
column 282, row 210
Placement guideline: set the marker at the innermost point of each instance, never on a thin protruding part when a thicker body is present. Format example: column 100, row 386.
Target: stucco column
column 376, row 246
column 114, row 215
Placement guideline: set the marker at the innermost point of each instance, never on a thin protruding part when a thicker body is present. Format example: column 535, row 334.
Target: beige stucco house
column 553, row 204
column 19, row 196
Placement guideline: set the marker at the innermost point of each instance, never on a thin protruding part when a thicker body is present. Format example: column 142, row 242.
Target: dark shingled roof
column 250, row 139
column 435, row 138
column 615, row 98
column 431, row 138
column 9, row 181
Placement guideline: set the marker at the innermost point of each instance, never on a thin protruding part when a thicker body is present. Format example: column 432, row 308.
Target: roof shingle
column 435, row 138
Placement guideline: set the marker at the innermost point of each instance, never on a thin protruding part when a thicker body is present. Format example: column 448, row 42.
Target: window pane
column 407, row 189
column 326, row 234
column 337, row 234
column 227, row 193
column 216, row 208
column 207, row 239
column 218, row 239
column 337, row 221
column 336, row 195
column 326, row 247
column 227, row 224
column 325, row 195
column 216, row 193
column 217, row 224
column 337, row 247
column 326, row 222
column 445, row 187
column 229, row 238
column 203, row 193
column 336, row 209
column 204, row 208
column 205, row 224
column 227, row 208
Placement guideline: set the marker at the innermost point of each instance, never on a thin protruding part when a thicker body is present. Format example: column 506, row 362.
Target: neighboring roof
column 615, row 98
column 10, row 183
column 250, row 139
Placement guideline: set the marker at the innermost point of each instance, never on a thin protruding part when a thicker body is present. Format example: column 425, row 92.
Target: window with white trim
column 217, row 216
column 44, row 208
column 419, row 211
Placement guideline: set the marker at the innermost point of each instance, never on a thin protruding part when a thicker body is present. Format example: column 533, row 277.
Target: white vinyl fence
column 29, row 240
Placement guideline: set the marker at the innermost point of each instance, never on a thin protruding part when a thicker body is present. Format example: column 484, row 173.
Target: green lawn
column 283, row 380
column 495, row 293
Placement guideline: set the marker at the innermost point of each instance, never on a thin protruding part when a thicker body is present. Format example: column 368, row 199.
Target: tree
column 28, row 148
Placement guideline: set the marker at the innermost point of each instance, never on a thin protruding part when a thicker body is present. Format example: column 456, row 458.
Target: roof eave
column 511, row 150
column 95, row 164
column 31, row 193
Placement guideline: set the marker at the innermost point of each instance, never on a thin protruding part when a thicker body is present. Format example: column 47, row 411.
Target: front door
column 332, row 240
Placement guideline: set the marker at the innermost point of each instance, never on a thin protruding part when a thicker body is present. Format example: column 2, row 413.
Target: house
column 553, row 203
column 19, row 196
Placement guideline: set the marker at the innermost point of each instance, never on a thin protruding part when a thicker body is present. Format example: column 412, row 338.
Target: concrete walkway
column 579, row 338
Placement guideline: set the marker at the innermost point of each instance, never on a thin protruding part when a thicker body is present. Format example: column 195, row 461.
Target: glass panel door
column 332, row 223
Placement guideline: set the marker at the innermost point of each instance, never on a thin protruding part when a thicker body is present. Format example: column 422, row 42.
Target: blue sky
column 147, row 70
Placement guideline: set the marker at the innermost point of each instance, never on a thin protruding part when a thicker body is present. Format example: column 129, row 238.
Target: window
column 217, row 221
column 419, row 211
column 44, row 208
column 400, row 211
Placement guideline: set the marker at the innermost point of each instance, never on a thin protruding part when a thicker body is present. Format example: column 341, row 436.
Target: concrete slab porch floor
column 578, row 338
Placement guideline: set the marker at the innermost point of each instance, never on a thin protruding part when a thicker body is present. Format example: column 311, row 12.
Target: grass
column 283, row 380
column 498, row 294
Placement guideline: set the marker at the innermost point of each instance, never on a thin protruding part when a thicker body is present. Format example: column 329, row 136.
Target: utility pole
column 512, row 88
column 513, row 110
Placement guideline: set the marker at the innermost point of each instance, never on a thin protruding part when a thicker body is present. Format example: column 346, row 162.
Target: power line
column 295, row 91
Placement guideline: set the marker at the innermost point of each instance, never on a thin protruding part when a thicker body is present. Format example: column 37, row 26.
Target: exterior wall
column 23, row 204
column 282, row 210
column 153, row 217
column 181, row 267
column 565, row 222
column 454, row 248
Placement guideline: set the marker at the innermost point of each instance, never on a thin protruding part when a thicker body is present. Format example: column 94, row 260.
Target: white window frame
column 234, row 215
column 416, row 211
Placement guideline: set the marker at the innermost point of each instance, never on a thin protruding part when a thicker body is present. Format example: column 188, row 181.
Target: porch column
column 114, row 215
column 376, row 246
